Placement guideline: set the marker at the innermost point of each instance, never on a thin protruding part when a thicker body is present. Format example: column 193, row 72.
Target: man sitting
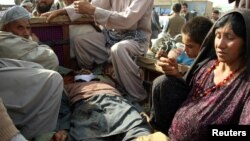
column 15, row 40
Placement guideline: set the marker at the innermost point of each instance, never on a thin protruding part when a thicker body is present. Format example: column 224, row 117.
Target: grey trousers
column 90, row 49
column 102, row 117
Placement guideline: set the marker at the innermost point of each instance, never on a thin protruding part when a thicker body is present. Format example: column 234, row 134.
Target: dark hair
column 185, row 4
column 176, row 8
column 236, row 21
column 197, row 28
column 216, row 11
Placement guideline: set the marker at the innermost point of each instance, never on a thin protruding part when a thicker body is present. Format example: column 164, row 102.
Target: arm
column 52, row 14
column 15, row 47
column 33, row 37
column 169, row 66
column 5, row 62
column 115, row 19
column 69, row 11
column 44, row 56
column 73, row 11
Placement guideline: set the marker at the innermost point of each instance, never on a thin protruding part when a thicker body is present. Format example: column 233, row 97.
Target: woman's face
column 192, row 48
column 228, row 46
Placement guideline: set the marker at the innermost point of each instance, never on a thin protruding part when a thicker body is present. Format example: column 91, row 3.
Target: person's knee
column 167, row 80
column 77, row 40
column 159, row 81
column 168, row 86
column 56, row 76
column 119, row 48
column 54, row 62
column 80, row 40
column 56, row 82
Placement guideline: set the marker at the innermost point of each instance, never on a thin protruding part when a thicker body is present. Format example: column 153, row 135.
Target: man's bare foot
column 61, row 135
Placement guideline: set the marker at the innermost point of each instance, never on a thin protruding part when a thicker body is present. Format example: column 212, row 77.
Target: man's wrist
column 62, row 11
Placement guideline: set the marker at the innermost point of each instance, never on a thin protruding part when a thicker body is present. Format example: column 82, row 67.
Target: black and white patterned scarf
column 113, row 37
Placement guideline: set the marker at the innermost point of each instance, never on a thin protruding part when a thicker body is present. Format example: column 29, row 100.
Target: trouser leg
column 168, row 93
column 90, row 48
column 126, row 70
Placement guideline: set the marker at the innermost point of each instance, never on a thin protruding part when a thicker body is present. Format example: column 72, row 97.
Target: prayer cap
column 12, row 14
column 26, row 3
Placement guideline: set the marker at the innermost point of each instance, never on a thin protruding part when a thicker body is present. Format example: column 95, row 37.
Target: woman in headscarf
column 218, row 84
column 219, row 80
column 169, row 87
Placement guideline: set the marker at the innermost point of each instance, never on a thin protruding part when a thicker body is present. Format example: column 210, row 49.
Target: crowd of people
column 35, row 100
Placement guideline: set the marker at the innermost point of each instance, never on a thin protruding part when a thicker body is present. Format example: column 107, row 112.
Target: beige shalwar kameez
column 122, row 15
column 31, row 95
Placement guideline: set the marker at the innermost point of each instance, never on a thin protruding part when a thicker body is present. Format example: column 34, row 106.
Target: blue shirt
column 184, row 59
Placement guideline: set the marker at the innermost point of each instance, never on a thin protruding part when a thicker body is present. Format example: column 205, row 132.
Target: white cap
column 26, row 3
column 12, row 14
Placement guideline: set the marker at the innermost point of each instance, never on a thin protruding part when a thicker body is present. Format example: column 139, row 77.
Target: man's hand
column 34, row 37
column 52, row 14
column 84, row 7
column 60, row 135
column 169, row 66
column 161, row 53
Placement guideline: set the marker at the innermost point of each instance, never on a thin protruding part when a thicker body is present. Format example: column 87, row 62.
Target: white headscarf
column 12, row 14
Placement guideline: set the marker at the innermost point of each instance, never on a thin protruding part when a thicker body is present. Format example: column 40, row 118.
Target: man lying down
column 96, row 111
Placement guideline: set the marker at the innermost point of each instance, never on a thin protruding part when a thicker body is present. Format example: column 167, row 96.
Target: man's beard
column 43, row 9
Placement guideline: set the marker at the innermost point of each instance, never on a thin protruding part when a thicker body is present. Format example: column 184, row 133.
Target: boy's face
column 191, row 48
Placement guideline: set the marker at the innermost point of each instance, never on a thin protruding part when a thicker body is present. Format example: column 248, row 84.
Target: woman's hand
column 84, row 7
column 52, row 14
column 169, row 66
